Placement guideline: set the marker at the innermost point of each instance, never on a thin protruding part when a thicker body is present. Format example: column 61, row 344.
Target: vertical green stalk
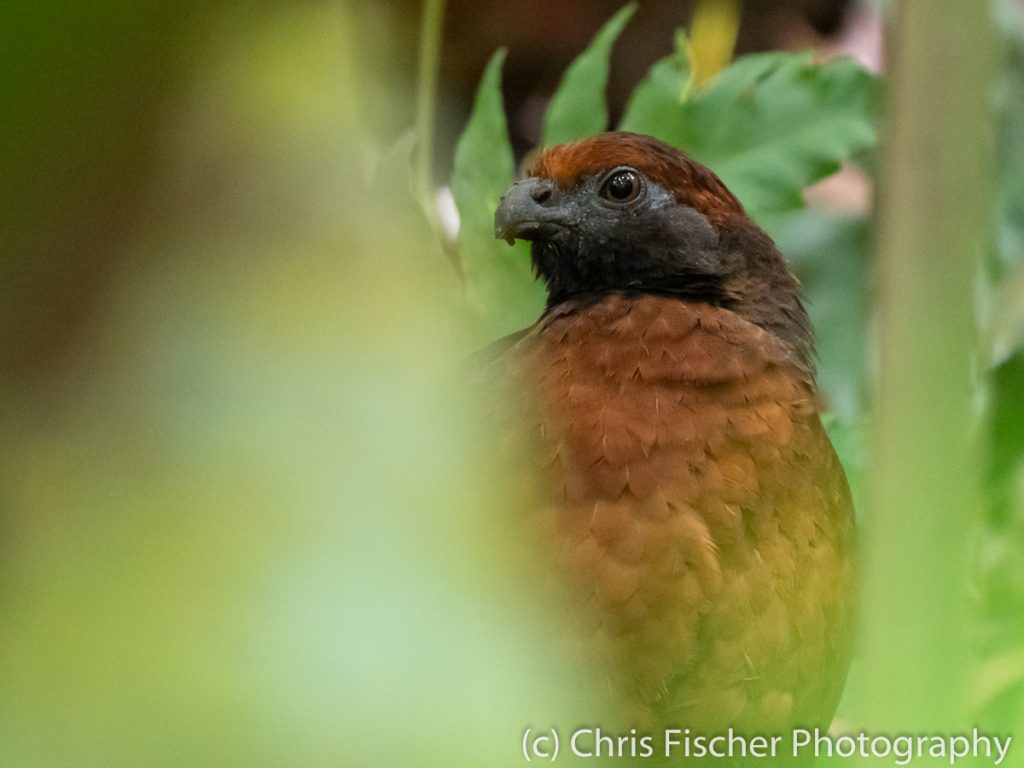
column 924, row 485
column 431, row 27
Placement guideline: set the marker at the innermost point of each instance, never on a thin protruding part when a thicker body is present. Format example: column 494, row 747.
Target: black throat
column 758, row 286
column 569, row 277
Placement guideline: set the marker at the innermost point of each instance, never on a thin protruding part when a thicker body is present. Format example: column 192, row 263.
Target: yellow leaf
column 713, row 37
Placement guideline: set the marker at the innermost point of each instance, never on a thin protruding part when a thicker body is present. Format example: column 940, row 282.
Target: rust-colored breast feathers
column 695, row 505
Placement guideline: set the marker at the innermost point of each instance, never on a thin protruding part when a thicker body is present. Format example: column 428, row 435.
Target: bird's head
column 623, row 212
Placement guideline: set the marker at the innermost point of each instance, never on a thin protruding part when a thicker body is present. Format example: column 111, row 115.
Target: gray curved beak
column 525, row 211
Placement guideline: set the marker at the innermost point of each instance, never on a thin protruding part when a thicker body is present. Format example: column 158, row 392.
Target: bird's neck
column 666, row 338
column 765, row 292
column 752, row 281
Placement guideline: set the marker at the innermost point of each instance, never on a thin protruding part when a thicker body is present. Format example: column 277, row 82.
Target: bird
column 688, row 499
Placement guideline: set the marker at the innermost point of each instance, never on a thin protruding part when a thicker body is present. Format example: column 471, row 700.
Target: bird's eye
column 622, row 187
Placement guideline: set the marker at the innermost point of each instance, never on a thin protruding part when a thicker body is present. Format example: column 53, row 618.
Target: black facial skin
column 586, row 243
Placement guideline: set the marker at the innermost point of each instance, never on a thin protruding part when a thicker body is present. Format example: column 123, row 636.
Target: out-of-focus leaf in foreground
column 578, row 108
column 248, row 524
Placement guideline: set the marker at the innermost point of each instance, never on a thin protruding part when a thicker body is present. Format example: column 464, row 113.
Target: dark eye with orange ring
column 622, row 187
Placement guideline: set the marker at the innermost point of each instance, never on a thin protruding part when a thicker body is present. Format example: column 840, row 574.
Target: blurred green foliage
column 1000, row 690
column 246, row 522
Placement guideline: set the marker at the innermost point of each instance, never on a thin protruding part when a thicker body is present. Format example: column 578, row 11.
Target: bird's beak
column 525, row 212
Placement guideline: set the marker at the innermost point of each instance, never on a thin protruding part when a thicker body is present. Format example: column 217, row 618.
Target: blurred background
column 242, row 516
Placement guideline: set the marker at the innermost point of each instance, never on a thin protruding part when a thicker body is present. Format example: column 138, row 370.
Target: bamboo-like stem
column 431, row 28
column 924, row 484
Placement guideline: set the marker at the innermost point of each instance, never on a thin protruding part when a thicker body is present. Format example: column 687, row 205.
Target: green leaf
column 578, row 108
column 657, row 100
column 830, row 255
column 501, row 294
column 769, row 125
